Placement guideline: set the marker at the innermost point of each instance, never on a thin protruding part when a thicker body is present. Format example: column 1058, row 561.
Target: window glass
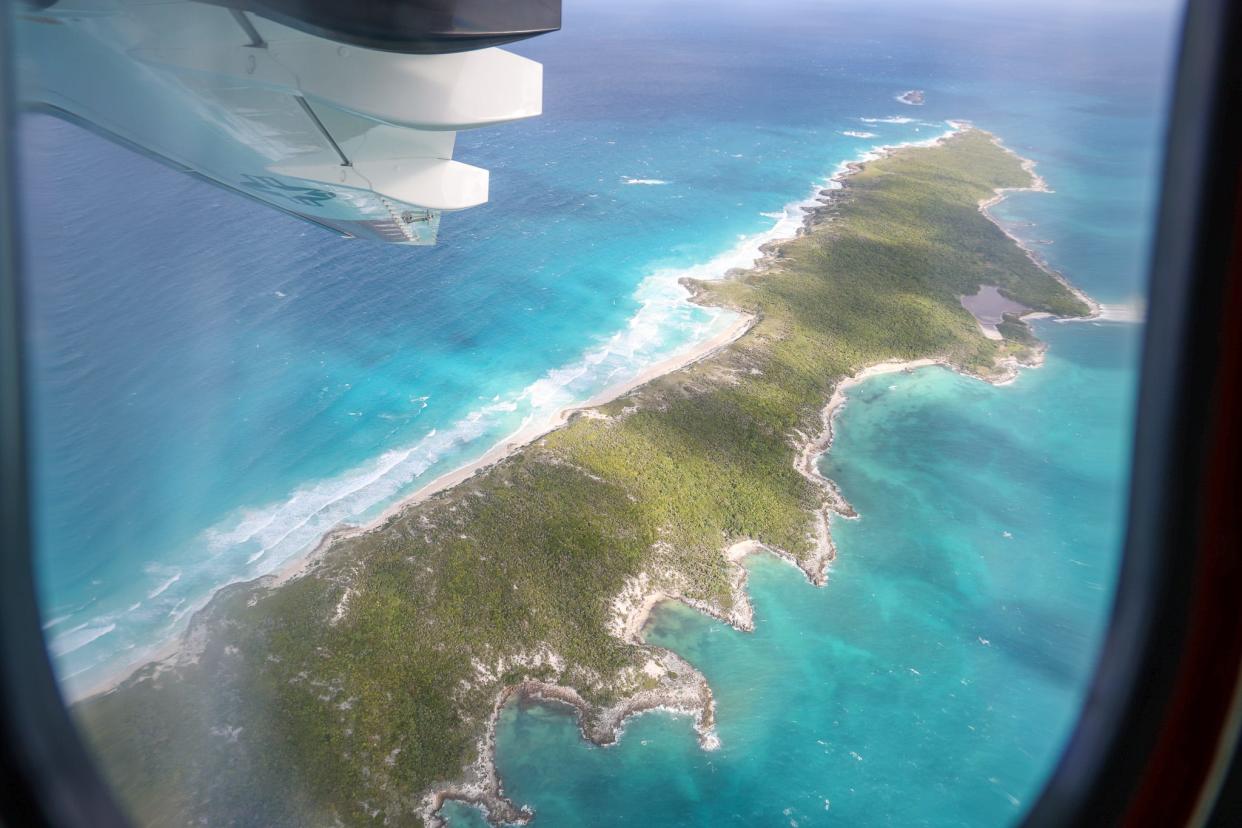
column 762, row 412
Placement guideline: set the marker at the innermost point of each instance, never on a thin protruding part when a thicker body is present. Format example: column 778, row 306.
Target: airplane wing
column 341, row 113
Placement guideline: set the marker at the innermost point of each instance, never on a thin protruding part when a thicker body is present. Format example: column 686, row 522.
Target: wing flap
column 459, row 90
column 431, row 183
column 350, row 138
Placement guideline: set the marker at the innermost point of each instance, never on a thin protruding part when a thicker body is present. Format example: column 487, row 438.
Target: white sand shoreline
column 694, row 353
column 637, row 617
column 170, row 649
column 814, row 447
column 166, row 653
column 524, row 437
column 690, row 694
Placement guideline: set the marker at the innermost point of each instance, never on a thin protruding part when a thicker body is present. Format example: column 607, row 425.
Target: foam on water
column 258, row 540
column 162, row 588
column 78, row 637
column 932, row 681
column 253, row 541
column 315, row 383
column 56, row 622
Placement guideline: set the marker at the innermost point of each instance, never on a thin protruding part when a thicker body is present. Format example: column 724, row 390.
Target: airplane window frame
column 1161, row 720
column 49, row 779
column 1163, row 704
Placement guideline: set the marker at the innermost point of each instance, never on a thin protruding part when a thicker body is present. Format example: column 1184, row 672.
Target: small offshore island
column 913, row 97
column 366, row 688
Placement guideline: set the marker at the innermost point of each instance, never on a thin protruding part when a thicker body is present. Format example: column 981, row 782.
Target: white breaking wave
column 259, row 540
column 878, row 151
column 275, row 533
column 664, row 324
column 852, row 133
column 315, row 509
column 78, row 637
column 159, row 590
column 647, row 181
column 891, row 119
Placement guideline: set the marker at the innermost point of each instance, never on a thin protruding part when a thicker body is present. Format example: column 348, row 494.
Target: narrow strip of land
column 367, row 687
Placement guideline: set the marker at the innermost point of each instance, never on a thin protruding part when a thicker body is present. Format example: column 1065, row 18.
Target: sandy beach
column 502, row 449
column 811, row 449
column 989, row 310
column 686, row 357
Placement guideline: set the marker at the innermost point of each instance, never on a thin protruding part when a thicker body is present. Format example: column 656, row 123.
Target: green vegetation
column 351, row 692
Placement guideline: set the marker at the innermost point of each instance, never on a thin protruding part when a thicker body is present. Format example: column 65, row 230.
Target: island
column 365, row 688
column 913, row 97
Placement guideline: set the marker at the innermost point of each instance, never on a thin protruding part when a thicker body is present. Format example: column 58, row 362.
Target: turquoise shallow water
column 932, row 681
column 936, row 677
column 216, row 385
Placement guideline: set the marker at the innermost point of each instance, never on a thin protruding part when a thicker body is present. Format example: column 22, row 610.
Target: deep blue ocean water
column 216, row 385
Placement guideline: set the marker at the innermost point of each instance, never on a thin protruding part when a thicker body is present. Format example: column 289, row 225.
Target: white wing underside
column 355, row 139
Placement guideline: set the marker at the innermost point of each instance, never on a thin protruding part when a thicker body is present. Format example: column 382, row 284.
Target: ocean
column 215, row 385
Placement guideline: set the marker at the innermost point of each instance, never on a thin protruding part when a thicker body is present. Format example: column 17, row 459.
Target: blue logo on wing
column 308, row 196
